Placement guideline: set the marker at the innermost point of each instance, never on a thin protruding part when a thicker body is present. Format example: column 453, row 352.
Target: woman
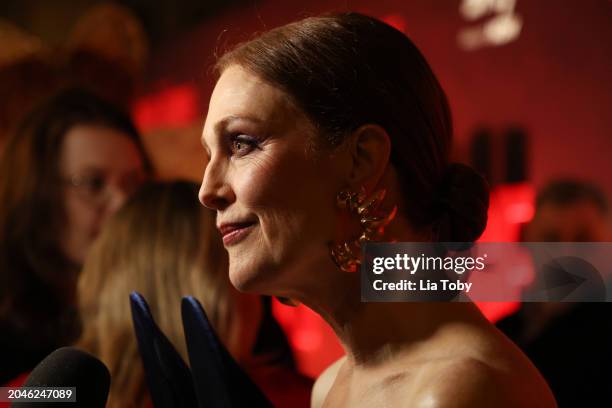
column 310, row 120
column 163, row 244
column 71, row 163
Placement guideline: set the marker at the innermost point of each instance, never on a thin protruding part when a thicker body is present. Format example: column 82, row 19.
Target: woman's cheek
column 265, row 177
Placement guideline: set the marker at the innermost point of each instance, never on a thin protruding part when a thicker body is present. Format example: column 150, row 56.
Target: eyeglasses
column 98, row 187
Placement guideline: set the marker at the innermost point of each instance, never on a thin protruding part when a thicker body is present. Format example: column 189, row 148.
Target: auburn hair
column 347, row 70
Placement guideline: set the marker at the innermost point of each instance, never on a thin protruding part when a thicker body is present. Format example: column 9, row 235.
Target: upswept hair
column 347, row 70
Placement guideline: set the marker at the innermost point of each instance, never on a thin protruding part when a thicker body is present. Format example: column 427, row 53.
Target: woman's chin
column 247, row 280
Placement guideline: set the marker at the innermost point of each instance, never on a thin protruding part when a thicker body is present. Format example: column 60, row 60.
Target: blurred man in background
column 570, row 343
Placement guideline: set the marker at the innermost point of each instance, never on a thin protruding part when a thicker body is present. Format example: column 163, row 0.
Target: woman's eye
column 242, row 144
column 94, row 184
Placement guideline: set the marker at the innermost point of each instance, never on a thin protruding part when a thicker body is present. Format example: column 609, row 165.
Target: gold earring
column 347, row 255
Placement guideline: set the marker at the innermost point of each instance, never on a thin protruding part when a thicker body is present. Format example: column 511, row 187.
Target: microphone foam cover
column 70, row 367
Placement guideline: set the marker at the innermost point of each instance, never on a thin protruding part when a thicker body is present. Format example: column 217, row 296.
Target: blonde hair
column 163, row 244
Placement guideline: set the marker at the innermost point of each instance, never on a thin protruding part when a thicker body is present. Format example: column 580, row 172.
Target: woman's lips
column 234, row 233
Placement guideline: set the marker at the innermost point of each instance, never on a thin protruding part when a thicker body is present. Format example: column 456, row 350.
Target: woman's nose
column 116, row 198
column 215, row 193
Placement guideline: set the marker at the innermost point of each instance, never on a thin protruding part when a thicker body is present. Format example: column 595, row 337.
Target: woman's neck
column 371, row 331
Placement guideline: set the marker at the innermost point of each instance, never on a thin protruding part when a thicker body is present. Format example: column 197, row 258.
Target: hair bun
column 463, row 201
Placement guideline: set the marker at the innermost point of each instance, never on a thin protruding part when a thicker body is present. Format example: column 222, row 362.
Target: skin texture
column 398, row 354
column 109, row 168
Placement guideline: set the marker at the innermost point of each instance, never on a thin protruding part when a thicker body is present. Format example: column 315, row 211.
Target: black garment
column 17, row 356
column 37, row 310
column 271, row 339
column 573, row 352
column 23, row 345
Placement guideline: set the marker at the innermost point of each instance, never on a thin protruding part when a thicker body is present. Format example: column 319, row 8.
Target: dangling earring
column 347, row 255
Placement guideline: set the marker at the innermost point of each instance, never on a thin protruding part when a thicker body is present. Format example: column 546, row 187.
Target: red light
column 313, row 341
column 511, row 205
column 495, row 311
column 397, row 21
column 173, row 107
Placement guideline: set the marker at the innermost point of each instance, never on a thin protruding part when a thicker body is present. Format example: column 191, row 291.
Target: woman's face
column 273, row 193
column 100, row 167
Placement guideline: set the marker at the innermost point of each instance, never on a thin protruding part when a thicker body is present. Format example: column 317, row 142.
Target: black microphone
column 69, row 367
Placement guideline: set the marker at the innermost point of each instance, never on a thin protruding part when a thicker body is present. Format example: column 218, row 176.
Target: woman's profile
column 308, row 125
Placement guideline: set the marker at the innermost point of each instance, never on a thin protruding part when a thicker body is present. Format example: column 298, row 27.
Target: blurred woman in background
column 164, row 245
column 71, row 163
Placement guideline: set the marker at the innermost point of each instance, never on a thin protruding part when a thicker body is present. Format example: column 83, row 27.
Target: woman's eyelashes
column 241, row 144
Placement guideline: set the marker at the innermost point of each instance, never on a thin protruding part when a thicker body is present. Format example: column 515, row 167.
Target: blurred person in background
column 568, row 342
column 569, row 211
column 164, row 245
column 70, row 164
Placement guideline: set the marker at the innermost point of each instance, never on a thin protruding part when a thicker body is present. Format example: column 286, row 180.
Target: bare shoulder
column 324, row 383
column 469, row 382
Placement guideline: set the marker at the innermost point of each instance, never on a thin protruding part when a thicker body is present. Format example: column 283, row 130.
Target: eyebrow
column 226, row 121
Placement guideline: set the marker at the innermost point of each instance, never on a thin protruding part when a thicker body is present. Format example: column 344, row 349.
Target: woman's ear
column 370, row 149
